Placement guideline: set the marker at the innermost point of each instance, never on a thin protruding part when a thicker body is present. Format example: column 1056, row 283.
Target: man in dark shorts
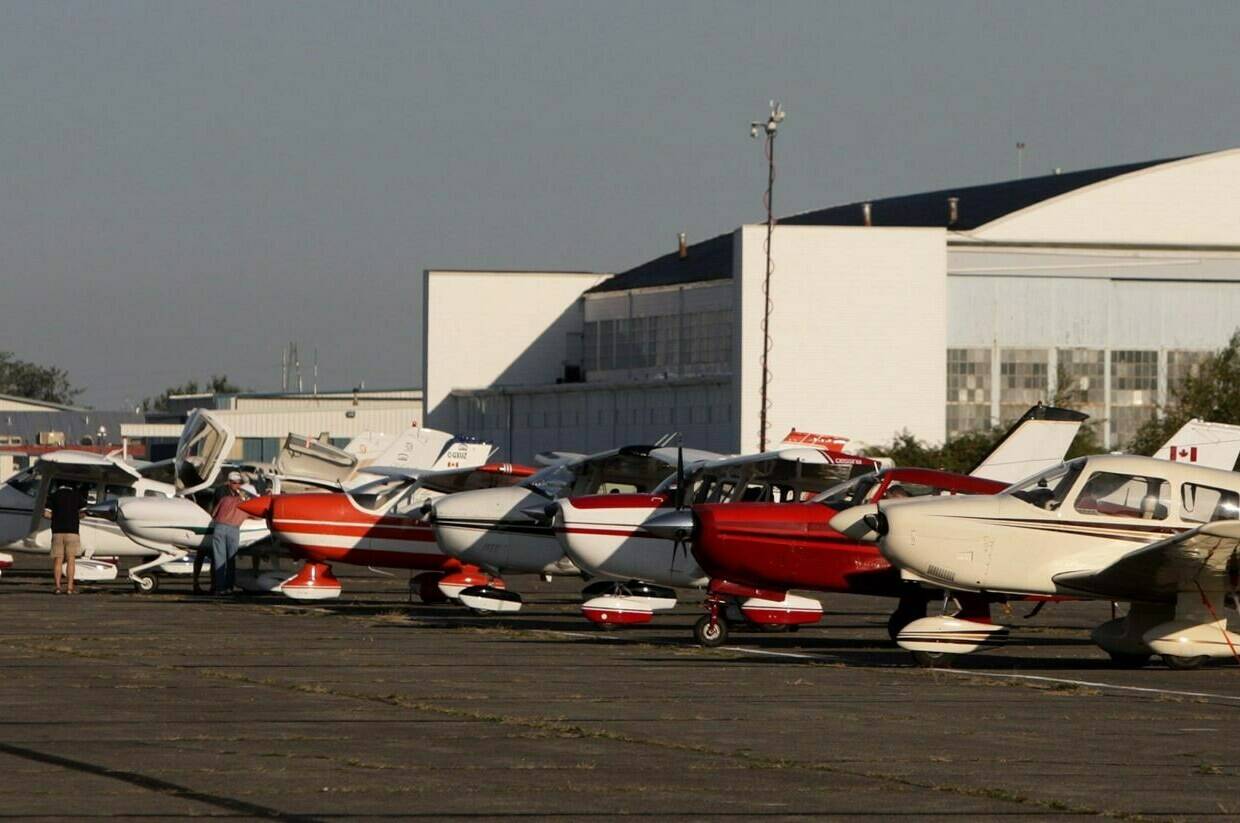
column 64, row 509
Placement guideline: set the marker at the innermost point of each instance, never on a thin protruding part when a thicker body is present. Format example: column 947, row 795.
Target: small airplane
column 1160, row 535
column 380, row 524
column 170, row 527
column 741, row 528
column 100, row 478
column 512, row 530
column 604, row 534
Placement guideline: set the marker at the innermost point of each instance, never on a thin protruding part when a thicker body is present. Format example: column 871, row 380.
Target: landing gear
column 933, row 660
column 427, row 586
column 1184, row 664
column 145, row 583
column 912, row 606
column 710, row 632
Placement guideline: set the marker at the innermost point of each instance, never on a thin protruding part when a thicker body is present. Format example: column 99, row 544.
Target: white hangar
column 936, row 312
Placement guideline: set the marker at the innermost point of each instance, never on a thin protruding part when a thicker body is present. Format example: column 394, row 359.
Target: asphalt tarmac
column 166, row 705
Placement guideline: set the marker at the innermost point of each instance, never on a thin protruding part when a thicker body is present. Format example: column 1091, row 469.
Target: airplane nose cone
column 258, row 506
column 677, row 525
column 107, row 510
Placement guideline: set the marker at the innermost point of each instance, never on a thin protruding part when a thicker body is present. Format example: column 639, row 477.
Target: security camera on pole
column 769, row 128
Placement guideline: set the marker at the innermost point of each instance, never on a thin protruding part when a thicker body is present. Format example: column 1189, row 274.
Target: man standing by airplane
column 64, row 508
column 226, row 523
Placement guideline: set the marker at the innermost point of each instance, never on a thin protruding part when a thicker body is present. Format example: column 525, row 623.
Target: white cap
column 234, row 477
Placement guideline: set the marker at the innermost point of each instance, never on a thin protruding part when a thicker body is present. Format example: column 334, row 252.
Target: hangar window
column 968, row 390
column 1184, row 364
column 1124, row 495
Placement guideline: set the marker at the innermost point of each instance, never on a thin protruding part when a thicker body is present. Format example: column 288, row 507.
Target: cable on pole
column 769, row 129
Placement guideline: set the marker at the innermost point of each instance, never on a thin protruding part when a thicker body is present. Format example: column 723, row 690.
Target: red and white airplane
column 381, row 524
column 171, row 527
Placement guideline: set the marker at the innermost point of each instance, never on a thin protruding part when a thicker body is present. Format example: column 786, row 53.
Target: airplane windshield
column 552, row 482
column 850, row 493
column 26, row 482
column 1047, row 489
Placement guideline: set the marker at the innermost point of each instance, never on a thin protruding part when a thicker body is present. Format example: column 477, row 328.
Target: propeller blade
column 680, row 476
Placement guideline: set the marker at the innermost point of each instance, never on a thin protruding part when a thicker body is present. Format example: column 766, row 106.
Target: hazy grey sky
column 186, row 186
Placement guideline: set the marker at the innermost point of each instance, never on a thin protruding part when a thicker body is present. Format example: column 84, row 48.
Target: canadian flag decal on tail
column 1182, row 453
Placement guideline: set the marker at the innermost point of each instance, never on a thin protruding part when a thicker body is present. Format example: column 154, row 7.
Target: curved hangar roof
column 1181, row 201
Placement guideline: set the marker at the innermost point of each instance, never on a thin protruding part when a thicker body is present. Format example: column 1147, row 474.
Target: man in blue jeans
column 226, row 523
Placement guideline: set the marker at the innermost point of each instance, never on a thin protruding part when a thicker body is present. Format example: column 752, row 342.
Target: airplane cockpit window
column 1205, row 504
column 115, row 492
column 627, row 473
column 1124, row 495
column 849, row 493
column 1047, row 489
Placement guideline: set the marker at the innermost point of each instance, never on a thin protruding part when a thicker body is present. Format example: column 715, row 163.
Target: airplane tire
column 933, row 660
column 708, row 635
column 145, row 584
column 912, row 606
column 1183, row 664
column 1128, row 661
column 428, row 590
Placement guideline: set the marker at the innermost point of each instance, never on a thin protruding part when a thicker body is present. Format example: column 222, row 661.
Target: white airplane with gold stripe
column 1162, row 536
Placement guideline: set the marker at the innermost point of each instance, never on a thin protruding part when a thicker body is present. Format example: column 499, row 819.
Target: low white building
column 937, row 313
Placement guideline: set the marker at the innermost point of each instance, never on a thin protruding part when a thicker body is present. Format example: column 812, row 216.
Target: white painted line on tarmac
column 962, row 672
column 769, row 653
column 1090, row 683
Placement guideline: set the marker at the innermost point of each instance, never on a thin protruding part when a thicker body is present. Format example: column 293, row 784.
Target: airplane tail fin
column 1215, row 445
column 1037, row 441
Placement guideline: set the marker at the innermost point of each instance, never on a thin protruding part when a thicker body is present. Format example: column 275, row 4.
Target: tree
column 218, row 384
column 46, row 383
column 1212, row 393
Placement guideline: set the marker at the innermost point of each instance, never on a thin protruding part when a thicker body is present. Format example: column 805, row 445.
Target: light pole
column 769, row 128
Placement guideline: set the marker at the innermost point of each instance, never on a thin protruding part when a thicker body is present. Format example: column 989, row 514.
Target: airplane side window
column 117, row 492
column 1205, row 504
column 1109, row 494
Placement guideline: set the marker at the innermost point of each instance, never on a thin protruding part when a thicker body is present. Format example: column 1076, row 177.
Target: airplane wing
column 555, row 458
column 488, row 476
column 1216, row 445
column 1035, row 442
column 88, row 466
column 1202, row 556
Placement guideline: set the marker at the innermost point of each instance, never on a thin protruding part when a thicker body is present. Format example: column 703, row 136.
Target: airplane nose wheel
column 710, row 633
column 1183, row 664
column 145, row 584
column 933, row 660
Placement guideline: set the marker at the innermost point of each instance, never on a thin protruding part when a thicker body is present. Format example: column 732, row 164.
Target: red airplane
column 380, row 524
column 760, row 551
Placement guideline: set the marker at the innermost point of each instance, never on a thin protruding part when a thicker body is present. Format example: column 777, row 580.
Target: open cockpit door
column 204, row 446
column 1038, row 440
column 304, row 456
